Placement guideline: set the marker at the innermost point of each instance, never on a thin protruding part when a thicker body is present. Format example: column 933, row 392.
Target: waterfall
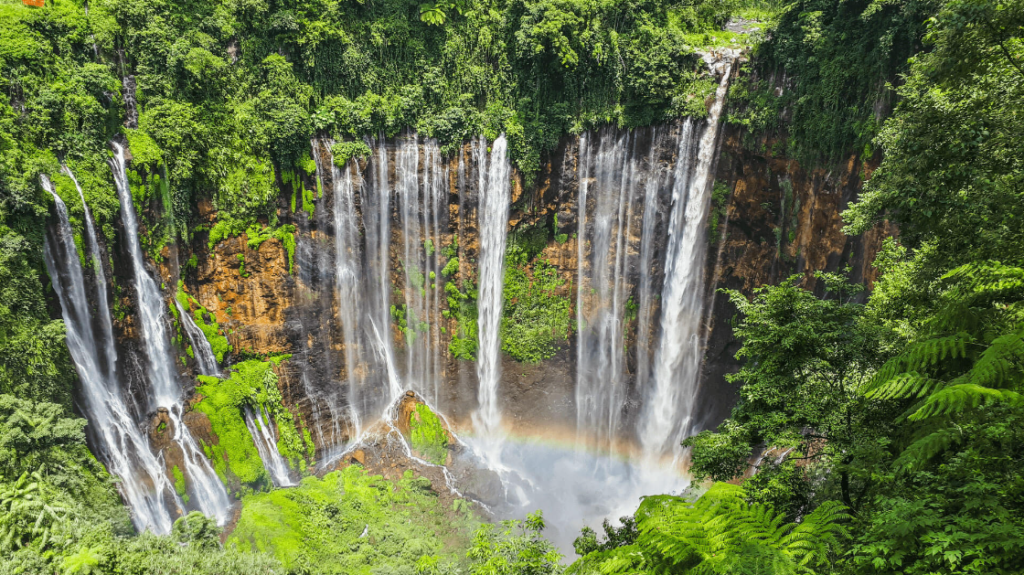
column 609, row 183
column 348, row 275
column 121, row 443
column 376, row 213
column 103, row 310
column 264, row 440
column 209, row 492
column 266, row 445
column 668, row 404
column 314, row 271
column 204, row 355
column 494, row 185
column 420, row 199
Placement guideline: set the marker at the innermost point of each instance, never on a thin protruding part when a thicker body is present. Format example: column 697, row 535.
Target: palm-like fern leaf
column 713, row 533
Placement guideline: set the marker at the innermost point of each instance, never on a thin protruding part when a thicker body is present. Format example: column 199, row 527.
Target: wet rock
column 358, row 456
column 482, row 485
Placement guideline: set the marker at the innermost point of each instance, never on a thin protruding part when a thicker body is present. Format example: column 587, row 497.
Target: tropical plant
column 721, row 533
column 804, row 358
column 85, row 561
column 25, row 514
column 517, row 548
column 970, row 354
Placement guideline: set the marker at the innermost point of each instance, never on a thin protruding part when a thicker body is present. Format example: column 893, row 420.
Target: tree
column 517, row 548
column 951, row 174
column 804, row 359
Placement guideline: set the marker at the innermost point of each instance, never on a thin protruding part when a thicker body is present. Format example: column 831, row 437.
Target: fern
column 721, row 532
column 958, row 398
column 945, row 375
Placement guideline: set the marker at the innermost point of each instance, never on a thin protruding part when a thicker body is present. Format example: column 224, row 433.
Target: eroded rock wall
column 776, row 219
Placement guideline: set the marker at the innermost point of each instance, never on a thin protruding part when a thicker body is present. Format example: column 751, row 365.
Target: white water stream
column 669, row 400
column 123, row 445
column 165, row 390
column 494, row 185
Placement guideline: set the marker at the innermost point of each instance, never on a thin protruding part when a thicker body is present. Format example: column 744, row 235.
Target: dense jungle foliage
column 885, row 425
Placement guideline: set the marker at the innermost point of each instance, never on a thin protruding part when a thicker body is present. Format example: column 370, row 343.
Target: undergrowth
column 350, row 522
column 537, row 312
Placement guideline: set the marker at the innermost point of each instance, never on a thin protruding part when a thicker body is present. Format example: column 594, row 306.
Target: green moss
column 241, row 265
column 234, row 456
column 462, row 308
column 179, row 482
column 226, row 227
column 719, row 207
column 211, row 329
column 352, row 522
column 299, row 191
column 428, row 436
column 306, row 163
column 253, row 383
column 451, row 268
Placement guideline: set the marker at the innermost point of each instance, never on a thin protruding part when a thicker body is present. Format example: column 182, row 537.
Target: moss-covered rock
column 428, row 436
column 252, row 383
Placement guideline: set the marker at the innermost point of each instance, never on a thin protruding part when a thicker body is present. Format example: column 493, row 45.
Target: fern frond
column 958, row 398
column 987, row 278
column 927, row 447
column 918, row 356
column 901, row 386
column 1000, row 363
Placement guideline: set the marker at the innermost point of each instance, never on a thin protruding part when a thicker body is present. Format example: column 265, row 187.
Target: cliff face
column 769, row 218
column 779, row 219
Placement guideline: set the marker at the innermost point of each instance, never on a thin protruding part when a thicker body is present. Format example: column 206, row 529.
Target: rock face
column 779, row 219
column 769, row 218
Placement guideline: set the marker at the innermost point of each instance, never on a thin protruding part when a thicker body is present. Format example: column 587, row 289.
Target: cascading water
column 204, row 355
column 348, row 279
column 209, row 492
column 612, row 177
column 103, row 308
column 420, row 199
column 266, row 446
column 262, row 437
column 494, row 185
column 122, row 444
column 668, row 402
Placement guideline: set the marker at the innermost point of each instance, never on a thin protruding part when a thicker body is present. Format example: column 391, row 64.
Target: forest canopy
column 884, row 421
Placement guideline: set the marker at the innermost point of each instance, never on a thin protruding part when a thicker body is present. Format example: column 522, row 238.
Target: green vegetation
column 719, row 206
column 352, row 522
column 516, row 547
column 427, row 435
column 179, row 483
column 252, row 383
column 840, row 56
column 462, row 305
column 896, row 415
column 205, row 321
column 537, row 310
column 345, row 151
column 719, row 532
